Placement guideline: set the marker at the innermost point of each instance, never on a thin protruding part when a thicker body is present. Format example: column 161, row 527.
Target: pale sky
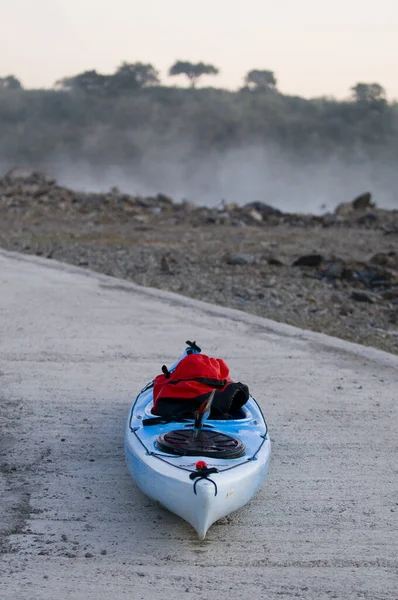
column 314, row 47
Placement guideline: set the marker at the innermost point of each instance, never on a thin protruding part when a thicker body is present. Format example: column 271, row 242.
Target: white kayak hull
column 174, row 481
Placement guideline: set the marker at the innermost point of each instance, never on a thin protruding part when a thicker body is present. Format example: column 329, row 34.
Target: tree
column 129, row 76
column 260, row 80
column 10, row 83
column 192, row 70
column 132, row 76
column 368, row 93
column 89, row 81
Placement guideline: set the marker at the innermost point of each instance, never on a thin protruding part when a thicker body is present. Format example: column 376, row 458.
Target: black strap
column 166, row 372
column 193, row 346
column 203, row 472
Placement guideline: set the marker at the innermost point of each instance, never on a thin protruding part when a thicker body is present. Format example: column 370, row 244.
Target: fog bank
column 237, row 176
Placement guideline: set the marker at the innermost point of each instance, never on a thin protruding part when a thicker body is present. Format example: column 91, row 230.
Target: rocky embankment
column 336, row 273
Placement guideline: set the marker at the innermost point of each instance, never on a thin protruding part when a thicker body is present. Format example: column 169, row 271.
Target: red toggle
column 201, row 464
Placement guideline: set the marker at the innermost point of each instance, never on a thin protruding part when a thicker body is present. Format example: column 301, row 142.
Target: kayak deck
column 251, row 429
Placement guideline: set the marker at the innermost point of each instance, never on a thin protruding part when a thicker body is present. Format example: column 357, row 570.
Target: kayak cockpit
column 242, row 414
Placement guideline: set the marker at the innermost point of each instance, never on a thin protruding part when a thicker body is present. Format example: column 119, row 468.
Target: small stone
column 241, row 259
column 165, row 265
column 362, row 297
column 308, row 260
column 264, row 209
column 385, row 259
column 255, row 215
column 274, row 261
column 88, row 555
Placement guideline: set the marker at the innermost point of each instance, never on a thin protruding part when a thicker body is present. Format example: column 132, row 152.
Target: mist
column 265, row 174
column 207, row 146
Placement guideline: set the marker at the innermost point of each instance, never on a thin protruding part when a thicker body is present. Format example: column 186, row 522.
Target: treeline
column 128, row 115
column 130, row 77
column 134, row 76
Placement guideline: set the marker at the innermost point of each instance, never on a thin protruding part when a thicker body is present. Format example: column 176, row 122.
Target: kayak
column 201, row 476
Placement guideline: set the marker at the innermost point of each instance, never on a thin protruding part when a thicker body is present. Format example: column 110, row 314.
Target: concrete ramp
column 75, row 347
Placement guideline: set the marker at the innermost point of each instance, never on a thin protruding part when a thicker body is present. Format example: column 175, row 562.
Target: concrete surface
column 76, row 346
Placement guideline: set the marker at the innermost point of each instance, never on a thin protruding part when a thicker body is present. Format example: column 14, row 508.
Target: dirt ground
column 239, row 257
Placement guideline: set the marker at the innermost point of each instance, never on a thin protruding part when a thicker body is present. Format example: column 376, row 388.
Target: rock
column 308, row 260
column 264, row 209
column 372, row 277
column 241, row 259
column 344, row 209
column 40, row 192
column 275, row 299
column 360, row 203
column 363, row 297
column 363, row 202
column 145, row 202
column 255, row 215
column 238, row 223
column 186, row 206
column 391, row 294
column 385, row 259
column 163, row 199
column 271, row 260
column 27, row 175
column 367, row 219
column 390, row 229
column 328, row 220
column 335, row 269
column 155, row 210
column 224, row 218
column 165, row 265
column 229, row 208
